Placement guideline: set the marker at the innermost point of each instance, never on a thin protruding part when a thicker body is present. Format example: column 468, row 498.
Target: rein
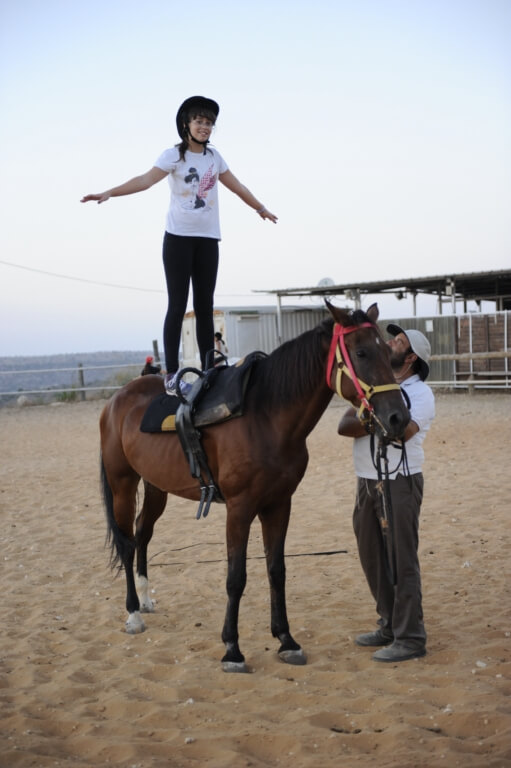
column 381, row 464
column 386, row 519
column 339, row 352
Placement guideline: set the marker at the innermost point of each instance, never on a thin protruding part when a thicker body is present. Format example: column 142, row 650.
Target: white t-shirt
column 422, row 412
column 193, row 209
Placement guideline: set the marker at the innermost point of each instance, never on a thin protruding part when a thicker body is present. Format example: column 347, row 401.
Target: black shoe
column 398, row 651
column 373, row 638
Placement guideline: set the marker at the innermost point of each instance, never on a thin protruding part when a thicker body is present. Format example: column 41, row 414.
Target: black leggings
column 185, row 259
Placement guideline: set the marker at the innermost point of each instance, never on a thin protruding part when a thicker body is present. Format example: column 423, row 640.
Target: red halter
column 339, row 351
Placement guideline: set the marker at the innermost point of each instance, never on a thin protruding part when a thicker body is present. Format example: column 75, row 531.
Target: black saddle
column 217, row 395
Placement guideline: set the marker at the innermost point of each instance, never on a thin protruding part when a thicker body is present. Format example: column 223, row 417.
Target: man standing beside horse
column 387, row 509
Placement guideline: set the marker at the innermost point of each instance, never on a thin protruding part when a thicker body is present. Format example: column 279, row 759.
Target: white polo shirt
column 422, row 412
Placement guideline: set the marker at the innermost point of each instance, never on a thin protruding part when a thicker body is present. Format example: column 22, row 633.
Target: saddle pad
column 218, row 399
column 160, row 415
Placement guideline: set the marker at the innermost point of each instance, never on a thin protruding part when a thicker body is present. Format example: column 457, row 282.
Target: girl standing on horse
column 190, row 244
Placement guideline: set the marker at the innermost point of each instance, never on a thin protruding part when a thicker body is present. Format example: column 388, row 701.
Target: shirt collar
column 410, row 380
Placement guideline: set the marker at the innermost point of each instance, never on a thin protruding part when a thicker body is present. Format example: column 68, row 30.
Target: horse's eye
column 360, row 353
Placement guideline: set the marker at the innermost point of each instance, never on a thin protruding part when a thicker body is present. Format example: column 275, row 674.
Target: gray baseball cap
column 419, row 345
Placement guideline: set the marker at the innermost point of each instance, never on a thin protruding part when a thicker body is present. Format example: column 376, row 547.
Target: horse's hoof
column 146, row 602
column 234, row 666
column 298, row 658
column 135, row 624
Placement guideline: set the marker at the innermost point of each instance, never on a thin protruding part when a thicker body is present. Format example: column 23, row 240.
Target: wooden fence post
column 81, row 380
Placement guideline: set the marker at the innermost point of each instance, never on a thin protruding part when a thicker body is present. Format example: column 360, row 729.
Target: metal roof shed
column 449, row 288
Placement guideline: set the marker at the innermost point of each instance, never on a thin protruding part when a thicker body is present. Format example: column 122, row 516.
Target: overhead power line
column 81, row 279
column 100, row 282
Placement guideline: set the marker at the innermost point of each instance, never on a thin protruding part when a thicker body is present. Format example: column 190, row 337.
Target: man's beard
column 397, row 360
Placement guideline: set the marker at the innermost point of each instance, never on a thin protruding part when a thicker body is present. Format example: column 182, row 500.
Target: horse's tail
column 121, row 547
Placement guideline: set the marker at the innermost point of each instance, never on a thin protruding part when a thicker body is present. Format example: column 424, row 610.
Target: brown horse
column 257, row 460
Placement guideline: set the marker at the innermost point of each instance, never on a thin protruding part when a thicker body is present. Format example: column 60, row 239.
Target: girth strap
column 190, row 439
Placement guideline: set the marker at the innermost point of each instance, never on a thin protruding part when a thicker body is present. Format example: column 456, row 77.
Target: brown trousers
column 399, row 606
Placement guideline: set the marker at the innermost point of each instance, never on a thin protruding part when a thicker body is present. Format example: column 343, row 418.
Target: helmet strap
column 197, row 141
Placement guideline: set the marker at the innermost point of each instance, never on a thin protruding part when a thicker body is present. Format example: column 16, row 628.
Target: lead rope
column 381, row 464
column 386, row 517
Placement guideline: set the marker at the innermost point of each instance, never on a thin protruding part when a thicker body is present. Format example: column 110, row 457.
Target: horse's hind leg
column 152, row 508
column 274, row 524
column 119, row 495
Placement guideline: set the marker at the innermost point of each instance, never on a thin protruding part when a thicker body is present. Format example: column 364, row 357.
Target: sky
column 378, row 131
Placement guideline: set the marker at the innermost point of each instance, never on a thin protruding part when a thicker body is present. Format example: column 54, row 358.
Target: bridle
column 365, row 392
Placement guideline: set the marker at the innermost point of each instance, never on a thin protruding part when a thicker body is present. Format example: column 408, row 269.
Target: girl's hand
column 101, row 198
column 264, row 214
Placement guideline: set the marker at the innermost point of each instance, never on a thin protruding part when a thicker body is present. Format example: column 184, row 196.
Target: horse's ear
column 340, row 316
column 373, row 313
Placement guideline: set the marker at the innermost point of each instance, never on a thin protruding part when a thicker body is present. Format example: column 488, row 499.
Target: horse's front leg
column 152, row 508
column 237, row 532
column 274, row 522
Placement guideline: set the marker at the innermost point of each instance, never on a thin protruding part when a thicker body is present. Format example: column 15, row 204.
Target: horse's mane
column 296, row 367
column 292, row 369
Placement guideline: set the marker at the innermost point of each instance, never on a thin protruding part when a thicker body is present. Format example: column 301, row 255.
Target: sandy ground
column 76, row 690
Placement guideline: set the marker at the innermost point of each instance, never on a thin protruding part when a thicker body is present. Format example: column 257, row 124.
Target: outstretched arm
column 137, row 184
column 230, row 181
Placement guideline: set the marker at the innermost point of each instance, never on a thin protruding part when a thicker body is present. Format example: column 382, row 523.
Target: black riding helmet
column 195, row 105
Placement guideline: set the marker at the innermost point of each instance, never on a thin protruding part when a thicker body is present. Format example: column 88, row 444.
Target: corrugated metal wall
column 299, row 321
column 259, row 330
column 245, row 330
column 248, row 331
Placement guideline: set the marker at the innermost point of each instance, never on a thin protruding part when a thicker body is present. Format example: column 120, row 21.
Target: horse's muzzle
column 390, row 422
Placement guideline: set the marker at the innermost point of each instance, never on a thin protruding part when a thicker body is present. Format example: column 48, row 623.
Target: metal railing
column 473, row 380
column 476, row 379
column 79, row 370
